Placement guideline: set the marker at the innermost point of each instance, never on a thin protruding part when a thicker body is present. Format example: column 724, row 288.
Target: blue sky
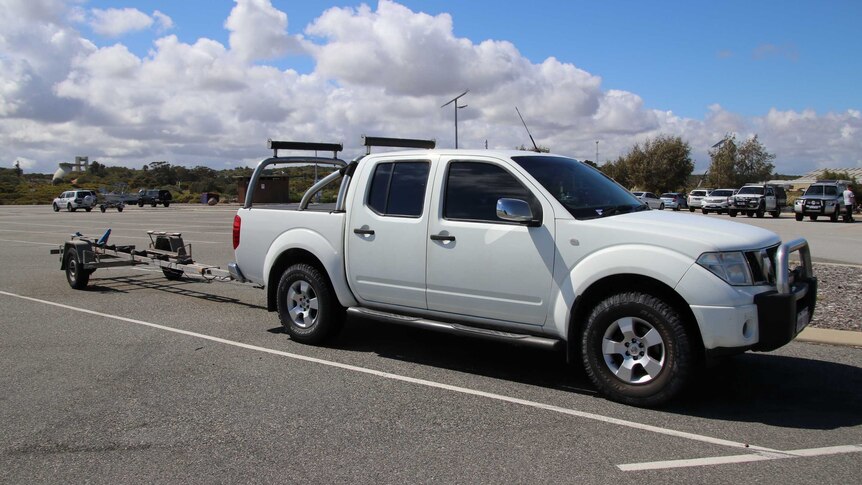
column 618, row 71
column 680, row 56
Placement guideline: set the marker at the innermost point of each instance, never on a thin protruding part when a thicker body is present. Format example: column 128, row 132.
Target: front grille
column 762, row 264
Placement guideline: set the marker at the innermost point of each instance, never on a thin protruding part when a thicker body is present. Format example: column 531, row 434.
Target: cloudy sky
column 206, row 82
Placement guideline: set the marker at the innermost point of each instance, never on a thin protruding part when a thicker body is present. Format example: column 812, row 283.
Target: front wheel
column 761, row 211
column 661, row 207
column 167, row 203
column 307, row 306
column 799, row 217
column 119, row 208
column 731, row 213
column 704, row 211
column 691, row 209
column 636, row 350
column 56, row 207
column 69, row 207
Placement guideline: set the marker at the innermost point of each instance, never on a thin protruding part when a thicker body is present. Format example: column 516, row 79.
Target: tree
column 722, row 169
column 662, row 164
column 735, row 165
column 754, row 163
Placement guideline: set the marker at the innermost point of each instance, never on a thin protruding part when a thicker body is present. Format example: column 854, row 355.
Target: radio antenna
column 535, row 147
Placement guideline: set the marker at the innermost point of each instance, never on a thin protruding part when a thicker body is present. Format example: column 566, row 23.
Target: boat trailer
column 82, row 255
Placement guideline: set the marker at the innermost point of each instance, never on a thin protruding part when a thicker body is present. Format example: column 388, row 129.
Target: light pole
column 597, row 153
column 455, row 100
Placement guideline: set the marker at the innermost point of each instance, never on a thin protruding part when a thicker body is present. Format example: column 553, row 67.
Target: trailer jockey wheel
column 164, row 244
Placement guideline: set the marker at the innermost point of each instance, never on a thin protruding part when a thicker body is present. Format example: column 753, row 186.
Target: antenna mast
column 535, row 147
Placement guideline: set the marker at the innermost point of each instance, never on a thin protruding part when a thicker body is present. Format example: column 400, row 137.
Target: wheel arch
column 619, row 283
column 289, row 258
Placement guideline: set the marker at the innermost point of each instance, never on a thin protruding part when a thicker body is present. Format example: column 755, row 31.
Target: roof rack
column 276, row 145
column 379, row 141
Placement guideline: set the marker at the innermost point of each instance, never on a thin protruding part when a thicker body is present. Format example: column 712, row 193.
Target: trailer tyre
column 307, row 306
column 76, row 275
column 636, row 350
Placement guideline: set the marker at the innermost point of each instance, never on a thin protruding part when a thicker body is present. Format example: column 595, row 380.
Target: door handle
column 364, row 232
column 440, row 237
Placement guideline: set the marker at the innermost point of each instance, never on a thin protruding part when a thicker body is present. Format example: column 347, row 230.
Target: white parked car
column 73, row 200
column 650, row 199
column 695, row 198
column 717, row 201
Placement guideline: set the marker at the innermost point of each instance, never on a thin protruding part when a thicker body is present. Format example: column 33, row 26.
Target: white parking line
column 412, row 380
column 30, row 242
column 725, row 460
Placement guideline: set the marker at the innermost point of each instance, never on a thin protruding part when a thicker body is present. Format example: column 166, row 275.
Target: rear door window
column 398, row 188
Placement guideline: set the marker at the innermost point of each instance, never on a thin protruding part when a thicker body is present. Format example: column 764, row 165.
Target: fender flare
column 331, row 259
column 635, row 260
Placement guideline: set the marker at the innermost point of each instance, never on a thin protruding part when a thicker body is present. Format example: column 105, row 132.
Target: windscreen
column 583, row 190
column 721, row 193
column 750, row 191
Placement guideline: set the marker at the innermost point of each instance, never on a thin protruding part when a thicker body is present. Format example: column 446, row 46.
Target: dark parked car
column 154, row 197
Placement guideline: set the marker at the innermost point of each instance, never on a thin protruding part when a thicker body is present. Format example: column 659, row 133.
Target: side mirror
column 515, row 210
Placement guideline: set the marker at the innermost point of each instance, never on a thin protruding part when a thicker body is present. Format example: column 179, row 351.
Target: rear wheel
column 761, row 211
column 731, row 213
column 167, row 203
column 76, row 275
column 120, row 208
column 704, row 211
column 691, row 209
column 307, row 306
column 661, row 207
column 69, row 207
column 635, row 349
column 103, row 209
column 799, row 217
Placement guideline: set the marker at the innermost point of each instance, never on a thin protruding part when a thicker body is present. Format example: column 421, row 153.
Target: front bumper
column 780, row 313
column 818, row 210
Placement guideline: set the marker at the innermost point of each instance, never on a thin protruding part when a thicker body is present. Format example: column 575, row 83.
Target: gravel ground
column 839, row 297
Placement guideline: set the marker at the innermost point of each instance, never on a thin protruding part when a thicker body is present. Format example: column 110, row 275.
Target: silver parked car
column 650, row 200
column 717, row 201
column 73, row 200
column 674, row 200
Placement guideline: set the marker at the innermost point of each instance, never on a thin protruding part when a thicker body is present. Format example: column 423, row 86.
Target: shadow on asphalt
column 184, row 287
column 776, row 390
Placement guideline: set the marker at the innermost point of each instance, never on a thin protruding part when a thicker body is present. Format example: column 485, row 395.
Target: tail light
column 237, row 223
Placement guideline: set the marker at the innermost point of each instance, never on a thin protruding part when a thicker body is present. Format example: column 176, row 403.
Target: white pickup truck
column 533, row 249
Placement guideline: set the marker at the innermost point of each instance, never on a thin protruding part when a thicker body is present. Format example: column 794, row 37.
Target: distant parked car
column 695, row 198
column 154, row 197
column 717, row 201
column 823, row 198
column 650, row 199
column 73, row 200
column 674, row 200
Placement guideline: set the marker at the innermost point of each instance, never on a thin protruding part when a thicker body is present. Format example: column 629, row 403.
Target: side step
column 457, row 329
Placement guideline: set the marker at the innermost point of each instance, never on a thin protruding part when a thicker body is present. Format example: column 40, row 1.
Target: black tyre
column 812, row 218
column 153, row 204
column 691, row 209
column 307, row 306
column 661, row 207
column 172, row 274
column 56, row 207
column 88, row 209
column 119, row 208
column 799, row 217
column 834, row 216
column 704, row 211
column 636, row 350
column 761, row 211
column 167, row 203
column 76, row 275
column 69, row 207
column 776, row 213
column 731, row 213
column 140, row 203
column 103, row 209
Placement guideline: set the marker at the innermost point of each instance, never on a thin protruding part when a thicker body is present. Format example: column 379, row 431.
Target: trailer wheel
column 636, row 350
column 76, row 275
column 307, row 306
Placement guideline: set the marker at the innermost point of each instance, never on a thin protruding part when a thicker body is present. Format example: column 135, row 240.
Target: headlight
column 732, row 267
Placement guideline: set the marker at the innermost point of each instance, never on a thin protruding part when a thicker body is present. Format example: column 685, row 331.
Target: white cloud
column 115, row 22
column 163, row 22
column 377, row 72
column 258, row 31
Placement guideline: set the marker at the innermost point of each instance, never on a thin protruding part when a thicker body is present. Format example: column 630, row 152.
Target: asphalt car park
column 142, row 379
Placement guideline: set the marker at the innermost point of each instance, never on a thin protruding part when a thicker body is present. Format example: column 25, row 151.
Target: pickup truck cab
column 533, row 249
